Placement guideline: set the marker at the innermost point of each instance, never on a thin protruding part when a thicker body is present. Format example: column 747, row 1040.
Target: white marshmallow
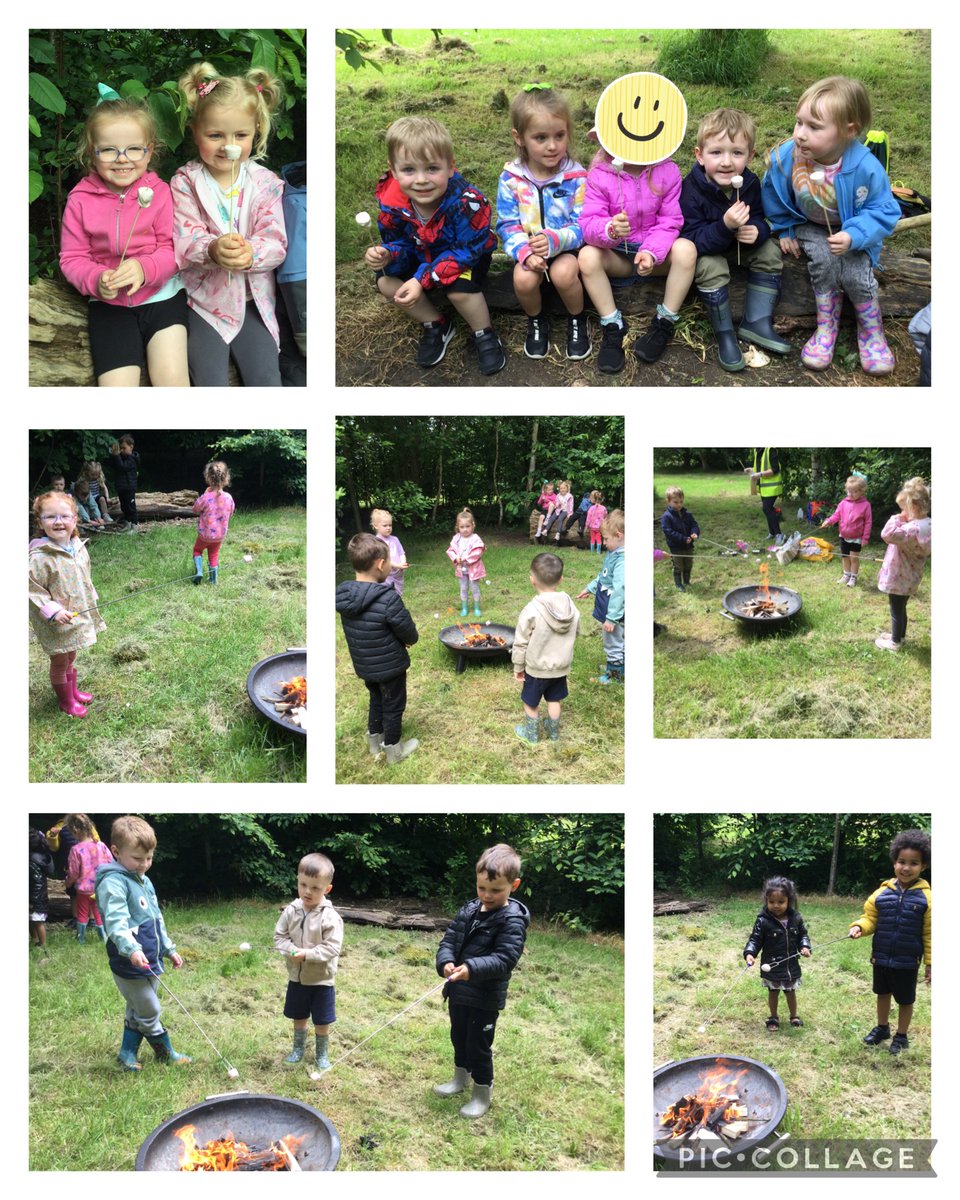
column 234, row 1073
column 244, row 945
column 144, row 196
column 362, row 218
column 736, row 181
column 248, row 558
column 232, row 152
column 818, row 176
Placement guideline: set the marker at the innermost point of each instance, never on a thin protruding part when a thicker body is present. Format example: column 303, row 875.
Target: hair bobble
column 205, row 88
column 259, row 87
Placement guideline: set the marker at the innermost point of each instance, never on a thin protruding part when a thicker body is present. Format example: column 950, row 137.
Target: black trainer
column 537, row 344
column 578, row 337
column 489, row 351
column 653, row 343
column 611, row 359
column 900, row 1042
column 878, row 1034
column 433, row 341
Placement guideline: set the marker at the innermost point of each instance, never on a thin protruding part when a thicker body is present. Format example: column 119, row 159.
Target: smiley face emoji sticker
column 641, row 118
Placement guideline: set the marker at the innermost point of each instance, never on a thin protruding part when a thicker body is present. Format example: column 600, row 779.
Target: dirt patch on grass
column 129, row 650
column 286, row 579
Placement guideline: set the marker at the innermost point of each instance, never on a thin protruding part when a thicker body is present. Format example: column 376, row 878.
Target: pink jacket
column 595, row 516
column 471, row 549
column 652, row 204
column 215, row 512
column 855, row 518
column 197, row 223
column 908, row 550
column 82, row 863
column 564, row 503
column 96, row 224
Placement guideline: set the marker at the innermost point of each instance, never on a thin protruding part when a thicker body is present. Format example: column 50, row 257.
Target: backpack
column 912, row 203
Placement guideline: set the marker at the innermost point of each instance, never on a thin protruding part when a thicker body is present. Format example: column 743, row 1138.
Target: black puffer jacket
column 777, row 943
column 41, row 869
column 490, row 943
column 125, row 468
column 378, row 628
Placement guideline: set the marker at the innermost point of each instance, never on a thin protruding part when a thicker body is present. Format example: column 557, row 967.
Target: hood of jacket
column 569, row 167
column 355, row 596
column 558, row 612
column 93, row 185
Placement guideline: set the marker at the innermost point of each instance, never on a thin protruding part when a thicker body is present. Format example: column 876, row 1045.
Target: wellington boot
column 728, row 348
column 320, row 1056
column 551, row 727
column 763, row 292
column 400, row 750
column 375, row 744
column 198, row 568
column 127, row 1054
column 79, row 697
column 459, row 1083
column 165, row 1052
column 299, row 1046
column 66, row 701
column 479, row 1102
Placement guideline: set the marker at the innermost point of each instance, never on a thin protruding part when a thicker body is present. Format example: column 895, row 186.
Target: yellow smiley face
column 641, row 118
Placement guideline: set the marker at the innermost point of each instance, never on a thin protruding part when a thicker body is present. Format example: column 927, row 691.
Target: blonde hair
column 596, row 496
column 916, row 493
column 858, row 483
column 612, row 522
column 91, row 469
column 56, row 498
column 316, row 866
column 257, row 92
column 673, row 493
column 421, row 137
column 563, row 483
column 217, row 474
column 841, row 100
column 464, row 514
column 132, row 833
column 525, row 107
column 376, row 517
column 730, row 121
column 115, row 110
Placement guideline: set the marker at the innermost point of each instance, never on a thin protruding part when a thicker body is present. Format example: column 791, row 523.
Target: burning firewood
column 478, row 638
column 293, row 702
column 760, row 607
column 715, row 1111
column 227, row 1153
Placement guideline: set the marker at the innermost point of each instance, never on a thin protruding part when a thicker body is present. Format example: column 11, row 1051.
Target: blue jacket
column 490, row 944
column 703, row 205
column 868, row 210
column 900, row 923
column 132, row 920
column 526, row 206
column 610, row 581
column 294, row 266
column 677, row 527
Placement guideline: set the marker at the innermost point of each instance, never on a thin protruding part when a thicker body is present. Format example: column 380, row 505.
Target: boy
column 476, row 957
column 608, row 592
column 898, row 916
column 436, row 240
column 379, row 631
column 543, row 649
column 137, row 939
column 126, row 463
column 310, row 934
column 719, row 216
column 681, row 531
column 41, row 869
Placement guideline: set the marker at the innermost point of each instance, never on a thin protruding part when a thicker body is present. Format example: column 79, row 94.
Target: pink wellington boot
column 876, row 357
column 80, row 697
column 817, row 354
column 66, row 701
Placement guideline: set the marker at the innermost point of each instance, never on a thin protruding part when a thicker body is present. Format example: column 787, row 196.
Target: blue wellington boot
column 299, row 1046
column 323, row 1044
column 127, row 1054
column 165, row 1052
column 213, row 574
column 762, row 295
column 198, row 567
column 463, row 609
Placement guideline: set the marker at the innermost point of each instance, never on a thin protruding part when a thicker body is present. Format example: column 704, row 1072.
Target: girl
column 228, row 228
column 85, row 856
column 41, row 869
column 855, row 519
column 545, row 502
column 466, row 552
column 778, row 933
column 630, row 221
column 126, row 467
column 214, row 508
column 563, row 508
column 87, row 509
column 60, row 586
column 908, row 536
column 381, row 523
column 538, row 208
column 826, row 194
column 122, row 211
column 92, row 474
column 596, row 515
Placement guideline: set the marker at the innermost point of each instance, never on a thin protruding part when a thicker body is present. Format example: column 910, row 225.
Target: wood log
column 569, row 537
column 391, row 920
column 675, row 907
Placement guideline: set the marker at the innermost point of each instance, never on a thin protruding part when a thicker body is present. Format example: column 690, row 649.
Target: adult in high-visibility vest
column 765, row 472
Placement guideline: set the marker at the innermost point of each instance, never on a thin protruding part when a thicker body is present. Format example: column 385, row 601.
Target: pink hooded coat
column 855, row 518
column 651, row 200
column 471, row 550
column 907, row 551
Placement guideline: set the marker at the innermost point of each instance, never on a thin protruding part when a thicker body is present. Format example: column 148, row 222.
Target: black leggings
column 770, row 512
column 471, row 1031
column 388, row 699
column 898, row 617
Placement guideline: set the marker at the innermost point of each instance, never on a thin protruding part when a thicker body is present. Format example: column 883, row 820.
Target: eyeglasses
column 134, row 154
column 56, row 517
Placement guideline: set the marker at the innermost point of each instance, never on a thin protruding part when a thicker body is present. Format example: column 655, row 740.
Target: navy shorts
column 317, row 1003
column 849, row 547
column 902, row 984
column 119, row 335
column 478, row 277
column 535, row 690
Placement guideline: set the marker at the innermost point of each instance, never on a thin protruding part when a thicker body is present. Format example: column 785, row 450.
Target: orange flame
column 765, row 580
column 228, row 1154
column 295, row 689
column 716, row 1091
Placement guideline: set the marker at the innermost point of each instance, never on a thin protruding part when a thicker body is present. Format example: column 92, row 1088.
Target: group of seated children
column 590, row 231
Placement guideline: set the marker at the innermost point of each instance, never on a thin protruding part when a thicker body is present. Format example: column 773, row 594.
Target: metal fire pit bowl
column 267, row 675
column 761, row 1090
column 732, row 601
column 255, row 1119
column 452, row 638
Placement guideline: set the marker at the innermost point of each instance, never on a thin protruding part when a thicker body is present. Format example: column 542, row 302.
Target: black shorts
column 901, row 983
column 849, row 547
column 119, row 335
column 318, row 1003
column 535, row 690
column 478, row 277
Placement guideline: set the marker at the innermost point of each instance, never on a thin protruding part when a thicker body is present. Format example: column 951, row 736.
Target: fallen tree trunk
column 391, row 920
column 676, row 907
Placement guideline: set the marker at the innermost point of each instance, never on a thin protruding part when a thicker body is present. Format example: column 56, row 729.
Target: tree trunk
column 831, row 882
column 496, row 460
column 436, row 499
column 352, row 484
column 532, row 466
column 814, row 468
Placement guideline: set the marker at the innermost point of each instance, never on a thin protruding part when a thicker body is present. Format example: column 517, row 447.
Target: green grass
column 836, row 1086
column 169, row 673
column 465, row 723
column 558, row 1094
column 820, row 678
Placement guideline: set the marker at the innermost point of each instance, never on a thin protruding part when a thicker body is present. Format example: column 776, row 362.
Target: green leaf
column 133, row 89
column 46, row 94
column 388, row 36
column 264, row 55
column 41, row 50
column 34, row 126
column 165, row 114
column 354, row 58
column 293, row 65
column 36, row 185
column 296, row 37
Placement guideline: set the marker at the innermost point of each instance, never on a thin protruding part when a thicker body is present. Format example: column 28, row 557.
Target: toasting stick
column 776, row 962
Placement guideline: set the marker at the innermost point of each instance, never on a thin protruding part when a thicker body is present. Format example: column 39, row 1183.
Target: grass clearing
column 836, row 1086
column 820, row 678
column 558, row 1094
column 169, row 672
column 485, row 700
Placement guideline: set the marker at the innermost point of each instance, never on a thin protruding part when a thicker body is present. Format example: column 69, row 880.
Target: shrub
column 726, row 57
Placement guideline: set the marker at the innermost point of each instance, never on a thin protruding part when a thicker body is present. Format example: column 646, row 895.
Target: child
column 379, row 631
column 60, row 586
column 137, row 940
column 466, row 552
column 86, row 855
column 543, row 649
column 87, row 510
column 477, row 955
column 779, row 933
column 41, row 869
column 681, row 531
column 581, row 515
column 545, row 502
column 214, row 508
column 92, row 474
column 855, row 518
column 630, row 221
column 122, row 211
column 126, row 465
column 839, row 219
column 898, row 916
column 562, row 509
column 718, row 217
column 608, row 592
column 381, row 522
column 538, row 208
column 228, row 227
column 437, row 240
column 596, row 515
column 310, row 934
column 907, row 535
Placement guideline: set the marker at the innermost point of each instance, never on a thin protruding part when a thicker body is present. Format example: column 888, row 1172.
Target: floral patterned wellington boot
column 876, row 357
column 817, row 354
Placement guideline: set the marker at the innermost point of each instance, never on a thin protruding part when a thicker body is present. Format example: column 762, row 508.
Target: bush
column 726, row 57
